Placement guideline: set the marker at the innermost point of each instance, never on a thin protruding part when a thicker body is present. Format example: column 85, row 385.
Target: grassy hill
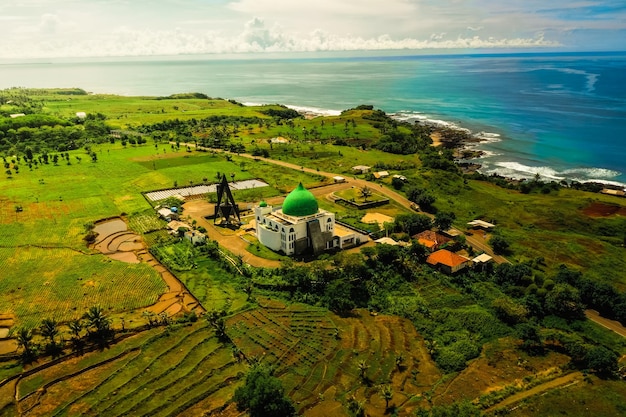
column 435, row 337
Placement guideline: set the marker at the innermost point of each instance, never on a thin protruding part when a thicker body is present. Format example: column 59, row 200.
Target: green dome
column 300, row 202
column 262, row 203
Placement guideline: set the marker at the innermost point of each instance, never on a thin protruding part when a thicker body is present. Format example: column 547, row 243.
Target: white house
column 300, row 225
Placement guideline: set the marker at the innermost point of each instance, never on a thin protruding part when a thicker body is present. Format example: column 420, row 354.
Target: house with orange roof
column 447, row 262
column 431, row 240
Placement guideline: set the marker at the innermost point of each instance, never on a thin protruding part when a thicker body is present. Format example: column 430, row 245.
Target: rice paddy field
column 48, row 271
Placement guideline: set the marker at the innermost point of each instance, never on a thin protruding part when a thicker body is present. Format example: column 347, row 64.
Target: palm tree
column 98, row 324
column 399, row 361
column 49, row 329
column 76, row 326
column 96, row 319
column 387, row 393
column 365, row 192
column 24, row 340
column 363, row 367
column 220, row 329
column 357, row 408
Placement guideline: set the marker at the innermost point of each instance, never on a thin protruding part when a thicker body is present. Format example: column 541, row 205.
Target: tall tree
column 263, row 395
column 386, row 392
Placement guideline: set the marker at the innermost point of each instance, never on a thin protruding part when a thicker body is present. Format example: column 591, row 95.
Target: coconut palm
column 76, row 326
column 49, row 329
column 98, row 325
column 387, row 393
column 97, row 320
column 365, row 192
column 24, row 340
column 363, row 367
column 400, row 361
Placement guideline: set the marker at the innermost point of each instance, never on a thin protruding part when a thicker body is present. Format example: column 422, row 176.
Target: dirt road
column 475, row 242
column 613, row 325
column 557, row 383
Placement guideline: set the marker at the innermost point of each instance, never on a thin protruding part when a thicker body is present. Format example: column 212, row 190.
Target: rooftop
column 300, row 202
column 445, row 257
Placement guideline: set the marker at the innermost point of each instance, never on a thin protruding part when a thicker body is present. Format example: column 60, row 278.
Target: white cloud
column 255, row 37
column 50, row 28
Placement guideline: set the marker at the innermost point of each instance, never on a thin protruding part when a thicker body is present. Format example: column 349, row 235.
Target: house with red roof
column 431, row 240
column 447, row 262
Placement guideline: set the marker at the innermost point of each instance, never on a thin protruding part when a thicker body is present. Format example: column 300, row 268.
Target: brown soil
column 318, row 368
column 500, row 365
column 561, row 382
column 597, row 209
column 115, row 241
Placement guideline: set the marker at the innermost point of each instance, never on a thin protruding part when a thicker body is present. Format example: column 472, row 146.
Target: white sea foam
column 488, row 154
column 316, row 111
column 517, row 170
column 592, row 172
column 410, row 116
column 488, row 137
column 251, row 104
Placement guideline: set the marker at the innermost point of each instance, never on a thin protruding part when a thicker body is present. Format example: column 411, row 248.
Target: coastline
column 472, row 156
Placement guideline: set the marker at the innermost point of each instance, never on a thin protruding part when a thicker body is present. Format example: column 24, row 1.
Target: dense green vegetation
column 63, row 172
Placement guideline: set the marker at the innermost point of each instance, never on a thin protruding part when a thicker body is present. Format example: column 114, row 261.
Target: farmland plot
column 62, row 284
column 316, row 353
column 163, row 374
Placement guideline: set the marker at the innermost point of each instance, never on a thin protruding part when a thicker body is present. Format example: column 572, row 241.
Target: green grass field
column 48, row 271
column 158, row 373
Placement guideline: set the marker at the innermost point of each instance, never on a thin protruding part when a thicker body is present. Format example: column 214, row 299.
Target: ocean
column 562, row 115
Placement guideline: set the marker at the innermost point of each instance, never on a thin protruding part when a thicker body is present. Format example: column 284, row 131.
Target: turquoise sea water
column 560, row 115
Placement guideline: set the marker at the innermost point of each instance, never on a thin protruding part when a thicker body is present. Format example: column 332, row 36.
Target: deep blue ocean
column 560, row 115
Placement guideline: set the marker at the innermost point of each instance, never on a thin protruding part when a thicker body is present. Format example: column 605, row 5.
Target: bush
column 499, row 244
column 263, row 395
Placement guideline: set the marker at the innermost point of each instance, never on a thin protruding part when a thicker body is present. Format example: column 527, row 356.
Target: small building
column 481, row 261
column 381, row 174
column 452, row 233
column 339, row 179
column 195, row 237
column 400, row 177
column 81, row 115
column 431, row 240
column 610, row 191
column 389, row 241
column 447, row 262
column 175, row 225
column 167, row 214
column 361, row 169
column 300, row 225
column 480, row 224
column 16, row 115
column 279, row 140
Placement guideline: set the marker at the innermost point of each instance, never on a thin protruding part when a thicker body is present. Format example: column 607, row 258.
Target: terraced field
column 316, row 354
column 158, row 373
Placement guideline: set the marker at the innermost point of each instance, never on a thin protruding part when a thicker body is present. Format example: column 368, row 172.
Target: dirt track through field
column 117, row 242
column 561, row 382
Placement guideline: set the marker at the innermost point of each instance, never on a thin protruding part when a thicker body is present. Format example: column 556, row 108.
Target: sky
column 92, row 28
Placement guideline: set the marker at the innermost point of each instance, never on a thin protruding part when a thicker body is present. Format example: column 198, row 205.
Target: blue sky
column 76, row 28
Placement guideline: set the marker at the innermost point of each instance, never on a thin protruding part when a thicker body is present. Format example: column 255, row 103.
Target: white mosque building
column 300, row 226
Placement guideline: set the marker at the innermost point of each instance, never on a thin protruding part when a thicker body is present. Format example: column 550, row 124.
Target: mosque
column 300, row 226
